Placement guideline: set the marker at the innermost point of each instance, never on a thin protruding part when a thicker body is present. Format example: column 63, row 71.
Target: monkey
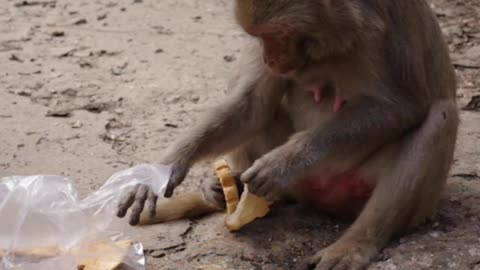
column 348, row 106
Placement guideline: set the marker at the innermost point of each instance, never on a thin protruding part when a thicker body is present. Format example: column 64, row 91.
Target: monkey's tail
column 187, row 205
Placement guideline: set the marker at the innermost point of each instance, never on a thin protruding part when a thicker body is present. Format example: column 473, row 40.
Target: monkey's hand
column 179, row 172
column 269, row 176
column 138, row 196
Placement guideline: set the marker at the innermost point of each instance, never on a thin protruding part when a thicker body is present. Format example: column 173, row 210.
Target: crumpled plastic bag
column 44, row 214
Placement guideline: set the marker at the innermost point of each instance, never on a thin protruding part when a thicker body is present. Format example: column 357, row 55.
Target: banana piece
column 113, row 257
column 240, row 211
column 108, row 256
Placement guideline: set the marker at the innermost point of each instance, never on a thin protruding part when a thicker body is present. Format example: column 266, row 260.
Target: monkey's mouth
column 304, row 64
column 294, row 71
column 288, row 74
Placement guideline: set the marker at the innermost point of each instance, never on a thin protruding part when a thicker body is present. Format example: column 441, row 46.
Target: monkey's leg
column 211, row 198
column 188, row 205
column 405, row 196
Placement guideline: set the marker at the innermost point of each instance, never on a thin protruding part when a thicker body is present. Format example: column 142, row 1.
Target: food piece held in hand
column 241, row 211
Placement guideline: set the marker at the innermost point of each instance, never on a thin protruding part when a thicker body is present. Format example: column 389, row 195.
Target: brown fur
column 397, row 129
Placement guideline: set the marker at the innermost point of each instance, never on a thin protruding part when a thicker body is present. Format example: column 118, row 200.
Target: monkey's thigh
column 409, row 182
column 412, row 173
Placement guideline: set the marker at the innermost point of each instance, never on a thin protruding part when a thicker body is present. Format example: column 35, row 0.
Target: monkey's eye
column 273, row 34
column 308, row 42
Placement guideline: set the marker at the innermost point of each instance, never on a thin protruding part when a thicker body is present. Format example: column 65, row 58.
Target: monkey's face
column 293, row 32
column 281, row 26
column 283, row 46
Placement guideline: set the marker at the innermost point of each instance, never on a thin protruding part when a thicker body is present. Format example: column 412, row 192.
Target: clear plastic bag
column 45, row 225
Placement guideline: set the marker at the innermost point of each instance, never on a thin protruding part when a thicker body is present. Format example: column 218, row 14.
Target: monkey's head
column 293, row 32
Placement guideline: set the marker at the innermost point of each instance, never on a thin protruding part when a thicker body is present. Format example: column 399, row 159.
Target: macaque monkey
column 347, row 105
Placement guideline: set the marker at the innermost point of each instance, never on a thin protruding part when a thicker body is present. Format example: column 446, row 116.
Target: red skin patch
column 343, row 195
column 279, row 44
column 278, row 52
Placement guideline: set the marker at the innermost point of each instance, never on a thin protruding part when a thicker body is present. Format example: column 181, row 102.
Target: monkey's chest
column 304, row 112
column 341, row 195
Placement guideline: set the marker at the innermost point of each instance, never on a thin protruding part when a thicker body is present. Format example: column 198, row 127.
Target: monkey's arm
column 234, row 121
column 255, row 98
column 229, row 124
column 356, row 131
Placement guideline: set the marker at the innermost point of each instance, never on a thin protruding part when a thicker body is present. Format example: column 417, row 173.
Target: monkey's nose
column 269, row 61
column 273, row 65
column 277, row 67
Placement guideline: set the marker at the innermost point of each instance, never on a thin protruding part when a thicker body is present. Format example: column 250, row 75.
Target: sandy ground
column 91, row 87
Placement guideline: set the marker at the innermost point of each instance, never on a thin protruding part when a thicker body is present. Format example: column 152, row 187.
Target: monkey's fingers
column 179, row 172
column 213, row 193
column 266, row 190
column 216, row 187
column 151, row 203
column 172, row 184
column 240, row 185
column 126, row 201
column 253, row 180
column 249, row 175
column 138, row 205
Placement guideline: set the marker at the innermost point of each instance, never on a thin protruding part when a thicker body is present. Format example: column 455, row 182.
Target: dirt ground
column 91, row 87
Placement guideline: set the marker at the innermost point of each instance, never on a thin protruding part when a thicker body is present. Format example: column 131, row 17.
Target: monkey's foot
column 342, row 255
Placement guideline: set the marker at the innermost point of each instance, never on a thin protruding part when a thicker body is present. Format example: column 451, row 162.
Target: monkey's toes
column 341, row 256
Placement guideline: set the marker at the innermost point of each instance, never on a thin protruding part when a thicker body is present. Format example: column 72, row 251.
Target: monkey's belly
column 342, row 195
